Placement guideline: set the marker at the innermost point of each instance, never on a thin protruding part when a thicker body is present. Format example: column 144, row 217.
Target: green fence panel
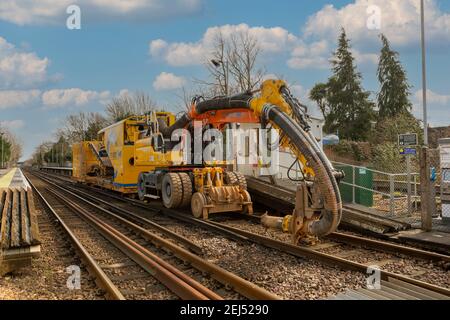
column 346, row 190
column 364, row 178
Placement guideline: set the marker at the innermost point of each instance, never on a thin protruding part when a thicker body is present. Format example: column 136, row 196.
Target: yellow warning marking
column 5, row 181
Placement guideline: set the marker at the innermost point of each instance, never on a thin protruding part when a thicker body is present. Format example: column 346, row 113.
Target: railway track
column 154, row 254
column 310, row 253
column 91, row 237
column 65, row 250
column 337, row 238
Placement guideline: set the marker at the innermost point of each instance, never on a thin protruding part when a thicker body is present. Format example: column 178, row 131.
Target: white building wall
column 286, row 158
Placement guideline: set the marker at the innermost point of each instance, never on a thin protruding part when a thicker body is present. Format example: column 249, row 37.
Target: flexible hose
column 234, row 102
column 179, row 124
column 319, row 163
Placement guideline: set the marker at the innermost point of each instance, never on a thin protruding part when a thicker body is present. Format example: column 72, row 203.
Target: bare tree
column 125, row 106
column 233, row 65
column 16, row 148
column 41, row 154
column 82, row 126
column 242, row 58
column 219, row 68
column 12, row 147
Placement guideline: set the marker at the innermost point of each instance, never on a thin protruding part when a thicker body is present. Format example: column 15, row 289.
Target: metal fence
column 396, row 194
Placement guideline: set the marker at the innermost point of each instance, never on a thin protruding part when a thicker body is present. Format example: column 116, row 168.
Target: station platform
column 13, row 179
column 437, row 240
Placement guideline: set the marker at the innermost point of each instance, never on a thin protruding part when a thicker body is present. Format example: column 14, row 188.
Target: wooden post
column 425, row 194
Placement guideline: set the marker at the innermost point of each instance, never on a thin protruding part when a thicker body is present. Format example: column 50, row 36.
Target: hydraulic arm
column 318, row 205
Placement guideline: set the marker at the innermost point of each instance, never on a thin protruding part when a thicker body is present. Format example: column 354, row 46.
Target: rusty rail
column 241, row 235
column 330, row 259
column 240, row 285
column 102, row 279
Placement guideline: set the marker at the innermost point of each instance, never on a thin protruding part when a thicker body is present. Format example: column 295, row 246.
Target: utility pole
column 424, row 74
column 428, row 202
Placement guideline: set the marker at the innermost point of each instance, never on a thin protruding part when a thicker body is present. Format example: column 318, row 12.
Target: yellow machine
column 137, row 155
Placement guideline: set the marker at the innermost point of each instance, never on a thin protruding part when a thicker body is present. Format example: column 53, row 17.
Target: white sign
column 445, row 156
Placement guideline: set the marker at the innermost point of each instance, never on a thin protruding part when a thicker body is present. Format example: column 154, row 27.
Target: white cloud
column 365, row 58
column 432, row 98
column 271, row 40
column 12, row 124
column 18, row 98
column 274, row 41
column 298, row 90
column 314, row 55
column 19, row 69
column 31, row 12
column 157, row 47
column 400, row 22
column 72, row 97
column 168, row 81
column 438, row 107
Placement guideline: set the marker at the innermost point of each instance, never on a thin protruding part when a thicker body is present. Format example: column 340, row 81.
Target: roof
column 444, row 141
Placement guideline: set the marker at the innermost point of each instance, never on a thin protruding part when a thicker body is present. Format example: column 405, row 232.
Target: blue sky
column 48, row 71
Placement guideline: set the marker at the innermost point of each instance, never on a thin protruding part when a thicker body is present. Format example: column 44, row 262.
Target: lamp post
column 428, row 200
column 424, row 74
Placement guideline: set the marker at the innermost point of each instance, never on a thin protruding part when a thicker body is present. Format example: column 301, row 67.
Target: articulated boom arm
column 318, row 208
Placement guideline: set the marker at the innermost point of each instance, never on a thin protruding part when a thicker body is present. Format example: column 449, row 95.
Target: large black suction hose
column 240, row 101
column 179, row 124
column 325, row 179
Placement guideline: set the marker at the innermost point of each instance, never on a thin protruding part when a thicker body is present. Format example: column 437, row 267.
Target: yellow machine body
column 128, row 154
column 83, row 160
column 134, row 157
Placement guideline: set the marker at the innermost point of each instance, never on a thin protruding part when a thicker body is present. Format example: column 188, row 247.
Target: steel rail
column 174, row 214
column 240, row 285
column 332, row 260
column 389, row 247
column 93, row 267
column 337, row 236
column 378, row 245
column 183, row 286
column 186, row 242
column 303, row 252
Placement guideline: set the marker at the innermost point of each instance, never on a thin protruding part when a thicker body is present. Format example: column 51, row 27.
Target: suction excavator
column 138, row 155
